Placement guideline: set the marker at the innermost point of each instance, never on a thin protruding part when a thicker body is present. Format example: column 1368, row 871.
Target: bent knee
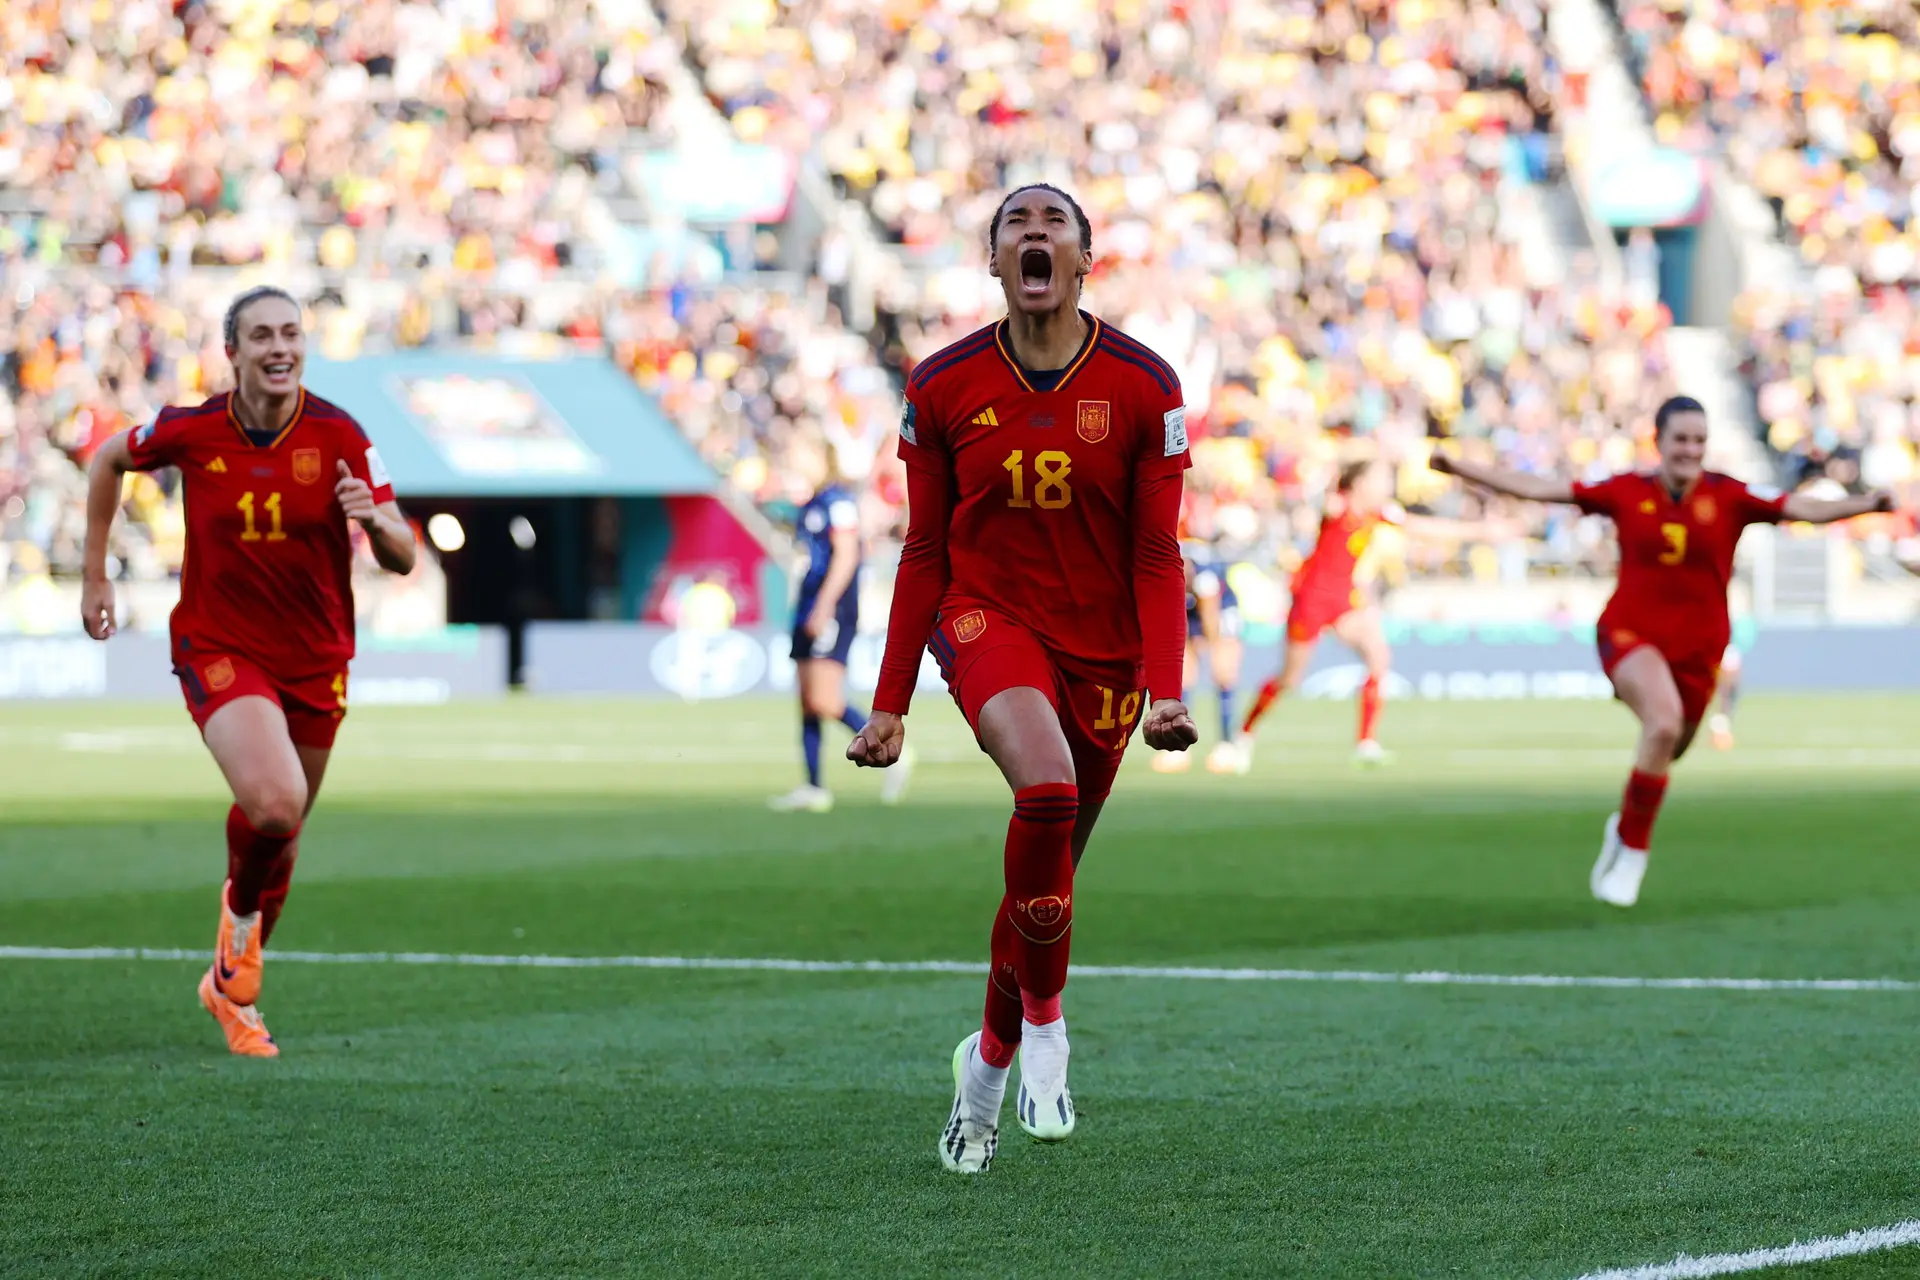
column 275, row 810
column 1662, row 728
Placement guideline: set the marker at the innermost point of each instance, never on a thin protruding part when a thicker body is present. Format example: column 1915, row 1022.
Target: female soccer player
column 1662, row 635
column 264, row 628
column 1044, row 460
column 1324, row 596
column 826, row 618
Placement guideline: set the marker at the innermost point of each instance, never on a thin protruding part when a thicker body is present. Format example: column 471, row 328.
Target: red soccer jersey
column 1055, row 507
column 268, row 560
column 1676, row 557
column 1327, row 573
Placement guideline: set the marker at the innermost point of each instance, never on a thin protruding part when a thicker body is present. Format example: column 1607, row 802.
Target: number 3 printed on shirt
column 1676, row 536
column 1051, row 490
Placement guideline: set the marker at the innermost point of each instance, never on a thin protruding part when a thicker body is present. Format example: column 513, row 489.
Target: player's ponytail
column 230, row 327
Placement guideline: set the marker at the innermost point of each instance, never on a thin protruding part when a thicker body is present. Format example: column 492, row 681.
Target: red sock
column 1000, row 1028
column 1640, row 806
column 1268, row 695
column 250, row 859
column 1369, row 707
column 1039, row 872
column 274, row 896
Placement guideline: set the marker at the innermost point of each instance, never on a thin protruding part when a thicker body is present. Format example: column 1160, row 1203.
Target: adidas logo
column 217, row 465
column 986, row 419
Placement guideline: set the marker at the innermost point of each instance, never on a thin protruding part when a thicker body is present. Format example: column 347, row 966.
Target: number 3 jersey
column 1052, row 498
column 1676, row 557
column 268, row 554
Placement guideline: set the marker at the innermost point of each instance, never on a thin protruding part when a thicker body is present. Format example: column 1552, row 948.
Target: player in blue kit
column 826, row 617
column 1213, row 633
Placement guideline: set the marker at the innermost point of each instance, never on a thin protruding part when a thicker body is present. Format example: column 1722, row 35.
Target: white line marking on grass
column 1425, row 978
column 1897, row 1236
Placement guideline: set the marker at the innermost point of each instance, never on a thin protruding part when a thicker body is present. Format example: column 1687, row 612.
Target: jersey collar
column 1003, row 341
column 233, row 419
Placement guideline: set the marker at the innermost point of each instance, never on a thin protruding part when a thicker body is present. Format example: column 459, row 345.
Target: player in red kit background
column 1045, row 457
column 1663, row 633
column 264, row 628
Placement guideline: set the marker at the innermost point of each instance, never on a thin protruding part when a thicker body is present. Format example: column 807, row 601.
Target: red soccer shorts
column 982, row 653
column 1311, row 614
column 1695, row 677
column 314, row 705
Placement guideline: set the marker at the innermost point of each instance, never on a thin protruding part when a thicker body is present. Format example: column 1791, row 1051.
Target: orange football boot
column 237, row 958
column 246, row 1033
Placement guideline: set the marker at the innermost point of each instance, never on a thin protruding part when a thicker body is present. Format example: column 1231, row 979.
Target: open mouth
column 278, row 369
column 1036, row 270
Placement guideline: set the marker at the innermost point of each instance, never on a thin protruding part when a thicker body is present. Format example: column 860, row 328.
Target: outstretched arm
column 1827, row 510
column 110, row 464
column 1513, row 484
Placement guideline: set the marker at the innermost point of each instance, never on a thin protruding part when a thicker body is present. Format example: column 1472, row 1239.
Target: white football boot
column 1171, row 762
column 894, row 779
column 803, row 799
column 1370, row 753
column 1226, row 758
column 972, row 1133
column 1618, row 871
column 1243, row 747
column 1044, row 1106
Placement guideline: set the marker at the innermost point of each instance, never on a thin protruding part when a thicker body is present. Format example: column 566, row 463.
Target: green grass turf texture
column 500, row 1122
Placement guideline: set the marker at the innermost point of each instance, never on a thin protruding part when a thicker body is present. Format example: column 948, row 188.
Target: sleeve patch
column 377, row 470
column 1763, row 493
column 906, row 425
column 1176, row 423
column 843, row 514
column 143, row 435
column 1393, row 513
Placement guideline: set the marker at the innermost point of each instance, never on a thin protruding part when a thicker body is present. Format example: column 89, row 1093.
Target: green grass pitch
column 475, row 1121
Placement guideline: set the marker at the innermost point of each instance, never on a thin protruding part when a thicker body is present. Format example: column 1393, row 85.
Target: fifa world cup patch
column 1094, row 418
column 969, row 625
column 306, row 465
column 1176, row 421
column 906, row 425
column 143, row 435
column 219, row 675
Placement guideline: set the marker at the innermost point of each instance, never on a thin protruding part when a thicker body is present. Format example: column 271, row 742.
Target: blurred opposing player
column 826, row 618
column 1664, row 632
column 1042, row 568
column 1213, row 635
column 263, row 632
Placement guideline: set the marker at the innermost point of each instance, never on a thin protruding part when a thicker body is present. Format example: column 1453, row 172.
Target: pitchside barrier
column 459, row 662
column 1429, row 661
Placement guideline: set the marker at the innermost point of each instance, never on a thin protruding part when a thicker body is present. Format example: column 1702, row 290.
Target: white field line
column 1897, row 1236
column 1425, row 978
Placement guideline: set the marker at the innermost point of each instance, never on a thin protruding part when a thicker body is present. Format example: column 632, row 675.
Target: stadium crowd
column 1818, row 106
column 1322, row 232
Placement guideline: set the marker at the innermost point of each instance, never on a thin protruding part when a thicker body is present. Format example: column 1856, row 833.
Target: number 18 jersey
column 268, row 557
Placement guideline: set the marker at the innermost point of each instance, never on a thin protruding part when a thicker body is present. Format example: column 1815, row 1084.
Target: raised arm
column 1513, row 484
column 1799, row 507
column 110, row 464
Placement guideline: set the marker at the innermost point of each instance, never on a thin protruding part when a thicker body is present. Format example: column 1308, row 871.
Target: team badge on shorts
column 1705, row 509
column 219, row 674
column 969, row 625
column 306, row 465
column 1093, row 420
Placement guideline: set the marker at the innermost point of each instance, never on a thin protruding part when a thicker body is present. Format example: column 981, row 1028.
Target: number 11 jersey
column 268, row 572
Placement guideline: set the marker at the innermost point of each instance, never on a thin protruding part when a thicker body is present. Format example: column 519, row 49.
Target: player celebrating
column 1042, row 568
column 826, row 617
column 1662, row 635
column 1324, row 596
column 264, row 628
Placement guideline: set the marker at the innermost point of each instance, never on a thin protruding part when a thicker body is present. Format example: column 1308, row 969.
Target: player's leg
column 1726, row 700
column 1226, row 757
column 279, row 880
column 1181, row 761
column 1293, row 669
column 249, row 739
column 1644, row 681
column 821, row 682
column 1361, row 631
